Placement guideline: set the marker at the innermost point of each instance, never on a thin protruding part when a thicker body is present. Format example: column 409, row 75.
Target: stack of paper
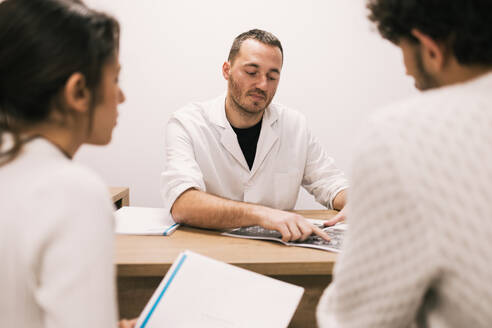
column 198, row 291
column 144, row 221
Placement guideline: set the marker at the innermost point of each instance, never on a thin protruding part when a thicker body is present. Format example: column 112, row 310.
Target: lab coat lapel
column 228, row 137
column 268, row 138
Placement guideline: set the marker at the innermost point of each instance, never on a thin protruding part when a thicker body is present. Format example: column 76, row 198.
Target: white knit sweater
column 56, row 243
column 418, row 252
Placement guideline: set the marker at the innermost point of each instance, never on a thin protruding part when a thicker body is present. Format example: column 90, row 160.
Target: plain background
column 337, row 71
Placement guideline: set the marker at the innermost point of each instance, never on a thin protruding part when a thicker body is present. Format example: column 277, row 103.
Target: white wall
column 337, row 71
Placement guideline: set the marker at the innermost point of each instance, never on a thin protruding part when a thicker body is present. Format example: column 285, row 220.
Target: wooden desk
column 120, row 196
column 142, row 261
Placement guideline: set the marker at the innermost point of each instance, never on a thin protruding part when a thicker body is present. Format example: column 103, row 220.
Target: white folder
column 131, row 220
column 198, row 291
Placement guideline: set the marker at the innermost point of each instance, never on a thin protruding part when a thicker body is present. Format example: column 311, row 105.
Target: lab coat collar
column 268, row 136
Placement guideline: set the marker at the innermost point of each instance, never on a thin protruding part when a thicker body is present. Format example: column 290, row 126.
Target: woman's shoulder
column 56, row 195
column 51, row 178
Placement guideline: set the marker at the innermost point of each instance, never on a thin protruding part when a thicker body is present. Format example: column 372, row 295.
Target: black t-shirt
column 248, row 140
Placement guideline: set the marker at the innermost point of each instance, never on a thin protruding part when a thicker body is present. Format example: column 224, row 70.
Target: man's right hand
column 200, row 209
column 292, row 226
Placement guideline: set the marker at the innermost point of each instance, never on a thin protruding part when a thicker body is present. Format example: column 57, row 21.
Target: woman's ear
column 433, row 53
column 77, row 95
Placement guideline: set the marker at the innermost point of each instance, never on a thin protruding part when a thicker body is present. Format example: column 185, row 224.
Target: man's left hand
column 339, row 217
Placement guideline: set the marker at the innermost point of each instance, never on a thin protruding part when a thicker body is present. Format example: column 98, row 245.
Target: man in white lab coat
column 239, row 160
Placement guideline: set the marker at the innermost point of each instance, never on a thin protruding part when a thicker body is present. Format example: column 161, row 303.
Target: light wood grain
column 153, row 255
column 120, row 196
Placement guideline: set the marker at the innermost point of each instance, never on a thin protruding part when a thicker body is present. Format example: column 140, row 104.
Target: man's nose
column 262, row 83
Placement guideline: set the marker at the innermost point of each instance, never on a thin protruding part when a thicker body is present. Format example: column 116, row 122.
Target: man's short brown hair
column 256, row 34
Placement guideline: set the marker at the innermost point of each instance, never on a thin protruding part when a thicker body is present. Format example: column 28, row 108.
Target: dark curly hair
column 466, row 25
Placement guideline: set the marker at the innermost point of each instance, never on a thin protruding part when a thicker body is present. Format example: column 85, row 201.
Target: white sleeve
column 181, row 171
column 76, row 280
column 385, row 267
column 321, row 177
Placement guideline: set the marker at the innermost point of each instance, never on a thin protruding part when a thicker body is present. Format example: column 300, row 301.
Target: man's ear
column 433, row 53
column 77, row 95
column 226, row 69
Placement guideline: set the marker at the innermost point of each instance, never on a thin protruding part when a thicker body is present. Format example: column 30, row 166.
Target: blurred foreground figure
column 58, row 90
column 418, row 252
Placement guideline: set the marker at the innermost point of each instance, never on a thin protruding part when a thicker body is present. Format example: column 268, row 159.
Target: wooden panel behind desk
column 142, row 261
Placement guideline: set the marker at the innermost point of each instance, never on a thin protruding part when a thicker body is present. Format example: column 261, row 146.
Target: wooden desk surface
column 139, row 256
column 120, row 196
column 118, row 193
column 142, row 261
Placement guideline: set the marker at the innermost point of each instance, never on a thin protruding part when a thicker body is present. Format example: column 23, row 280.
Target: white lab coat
column 203, row 152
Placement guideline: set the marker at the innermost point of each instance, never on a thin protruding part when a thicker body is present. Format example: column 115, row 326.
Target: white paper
column 132, row 220
column 198, row 291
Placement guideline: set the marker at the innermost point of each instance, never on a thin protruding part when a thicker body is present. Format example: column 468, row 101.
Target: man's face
column 415, row 67
column 253, row 76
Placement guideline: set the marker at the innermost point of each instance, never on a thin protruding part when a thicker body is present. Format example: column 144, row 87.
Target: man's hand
column 203, row 210
column 292, row 226
column 340, row 217
column 127, row 323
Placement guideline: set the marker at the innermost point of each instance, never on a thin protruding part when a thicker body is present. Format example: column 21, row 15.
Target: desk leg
column 134, row 293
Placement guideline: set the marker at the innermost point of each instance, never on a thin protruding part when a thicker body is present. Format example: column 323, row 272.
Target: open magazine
column 335, row 232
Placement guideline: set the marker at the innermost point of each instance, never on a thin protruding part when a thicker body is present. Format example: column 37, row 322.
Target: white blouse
column 56, row 243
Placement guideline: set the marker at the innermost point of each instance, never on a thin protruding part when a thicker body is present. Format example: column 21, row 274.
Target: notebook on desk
column 198, row 291
column 131, row 220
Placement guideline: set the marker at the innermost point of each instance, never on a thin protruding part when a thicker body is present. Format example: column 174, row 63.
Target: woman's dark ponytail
column 43, row 43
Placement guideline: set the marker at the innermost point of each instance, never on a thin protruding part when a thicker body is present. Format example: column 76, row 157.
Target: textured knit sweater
column 418, row 252
column 56, row 243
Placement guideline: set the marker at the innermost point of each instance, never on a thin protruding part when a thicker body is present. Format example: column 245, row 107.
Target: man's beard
column 243, row 107
column 423, row 79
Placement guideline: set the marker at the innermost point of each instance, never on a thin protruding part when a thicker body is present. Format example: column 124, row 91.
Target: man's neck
column 238, row 117
column 457, row 73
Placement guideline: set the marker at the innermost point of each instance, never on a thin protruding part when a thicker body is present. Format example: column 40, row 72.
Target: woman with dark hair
column 58, row 90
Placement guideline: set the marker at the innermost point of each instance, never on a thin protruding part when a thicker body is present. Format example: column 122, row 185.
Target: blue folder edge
column 173, row 274
column 170, row 229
